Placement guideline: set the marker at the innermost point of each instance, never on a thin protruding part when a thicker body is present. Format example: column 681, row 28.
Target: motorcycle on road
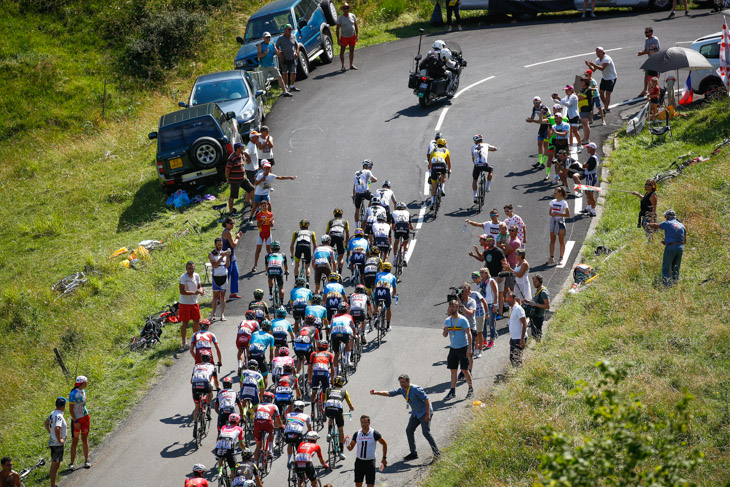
column 430, row 88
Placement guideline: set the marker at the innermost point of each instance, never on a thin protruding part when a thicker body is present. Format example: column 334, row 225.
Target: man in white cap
column 79, row 420
column 604, row 63
column 265, row 54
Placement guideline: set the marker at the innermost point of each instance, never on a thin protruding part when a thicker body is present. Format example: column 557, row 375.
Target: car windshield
column 217, row 91
column 182, row 136
column 273, row 24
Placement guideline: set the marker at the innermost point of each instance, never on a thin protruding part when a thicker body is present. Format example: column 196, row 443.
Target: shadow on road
column 400, row 466
column 415, row 111
column 463, row 212
column 177, row 450
column 177, row 419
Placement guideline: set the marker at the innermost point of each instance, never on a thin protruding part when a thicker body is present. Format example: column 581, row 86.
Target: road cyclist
column 334, row 294
column 246, row 471
column 282, row 331
column 373, row 265
column 341, row 333
column 297, row 424
column 387, row 198
column 287, row 386
column 203, row 374
column 432, row 144
column 261, row 341
column 385, row 290
column 251, row 391
column 303, row 459
column 381, row 235
column 479, row 155
column 226, row 402
column 259, row 306
column 361, row 187
column 372, row 213
column 279, row 365
column 229, row 435
column 197, row 480
column 361, row 310
column 439, row 164
column 300, row 298
column 304, row 341
column 245, row 329
column 339, row 231
column 266, row 420
column 320, row 371
column 276, row 269
column 402, row 228
column 325, row 260
column 319, row 312
column 334, row 398
column 302, row 244
column 357, row 253
column 203, row 341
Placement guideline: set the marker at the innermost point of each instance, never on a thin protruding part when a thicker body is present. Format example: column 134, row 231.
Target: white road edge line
column 568, row 247
column 426, row 191
column 411, row 246
column 570, row 57
column 472, row 86
column 441, row 118
column 421, row 216
column 578, row 205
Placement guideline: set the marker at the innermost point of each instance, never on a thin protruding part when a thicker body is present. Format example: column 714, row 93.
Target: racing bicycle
column 27, row 471
column 318, row 417
column 203, row 423
column 224, row 474
column 481, row 190
column 380, row 323
column 400, row 257
column 267, row 457
column 334, row 448
column 303, row 266
column 275, row 295
column 152, row 331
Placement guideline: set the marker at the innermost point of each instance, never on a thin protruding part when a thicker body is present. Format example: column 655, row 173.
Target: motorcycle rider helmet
column 438, row 45
column 445, row 54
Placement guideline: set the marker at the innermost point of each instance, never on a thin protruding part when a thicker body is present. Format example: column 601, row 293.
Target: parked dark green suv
column 193, row 144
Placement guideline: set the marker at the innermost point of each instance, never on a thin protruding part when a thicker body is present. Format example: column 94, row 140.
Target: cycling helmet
column 335, row 277
column 361, row 289
column 438, row 45
column 304, row 224
column 252, row 365
column 359, row 232
column 375, row 251
column 234, row 418
column 441, row 142
column 275, row 245
column 477, row 138
column 386, row 184
column 299, row 282
column 250, row 315
column 445, row 54
column 374, row 201
column 206, row 357
column 227, row 382
column 204, row 324
column 311, row 436
column 288, row 368
column 338, row 212
column 382, row 217
column 325, row 239
column 387, row 266
column 283, row 351
column 298, row 406
column 322, row 345
column 199, row 468
column 400, row 206
column 342, row 307
column 367, row 163
column 258, row 294
column 246, row 454
column 537, row 99
column 316, row 299
column 339, row 381
column 280, row 312
column 268, row 396
column 310, row 319
column 437, row 136
column 265, row 325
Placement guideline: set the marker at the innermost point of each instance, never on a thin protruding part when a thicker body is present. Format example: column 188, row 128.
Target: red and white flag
column 687, row 94
column 724, row 69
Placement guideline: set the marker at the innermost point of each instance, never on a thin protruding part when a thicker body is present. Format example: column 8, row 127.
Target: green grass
column 677, row 339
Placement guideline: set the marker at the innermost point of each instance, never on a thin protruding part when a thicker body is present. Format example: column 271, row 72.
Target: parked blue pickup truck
column 312, row 20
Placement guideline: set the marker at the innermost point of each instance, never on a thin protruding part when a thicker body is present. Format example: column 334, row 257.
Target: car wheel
column 330, row 11
column 661, row 4
column 329, row 53
column 303, row 68
column 206, row 152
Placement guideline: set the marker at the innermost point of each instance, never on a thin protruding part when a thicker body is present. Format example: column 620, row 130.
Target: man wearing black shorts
column 365, row 440
column 604, row 63
column 339, row 232
column 288, row 55
column 456, row 327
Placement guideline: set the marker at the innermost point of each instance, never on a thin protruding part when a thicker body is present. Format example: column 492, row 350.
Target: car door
column 309, row 33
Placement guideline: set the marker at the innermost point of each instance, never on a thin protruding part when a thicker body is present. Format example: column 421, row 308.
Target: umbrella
column 676, row 58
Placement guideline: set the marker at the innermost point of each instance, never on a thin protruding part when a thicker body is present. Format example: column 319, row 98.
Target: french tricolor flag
column 687, row 94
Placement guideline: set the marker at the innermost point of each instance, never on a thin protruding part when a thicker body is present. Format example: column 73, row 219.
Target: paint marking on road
column 441, row 118
column 411, row 246
column 421, row 217
column 628, row 102
column 472, row 86
column 426, row 188
column 568, row 247
column 570, row 57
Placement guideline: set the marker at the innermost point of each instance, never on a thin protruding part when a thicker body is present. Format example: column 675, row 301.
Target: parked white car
column 708, row 46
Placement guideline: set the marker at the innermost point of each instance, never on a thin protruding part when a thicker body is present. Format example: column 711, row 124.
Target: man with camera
column 457, row 328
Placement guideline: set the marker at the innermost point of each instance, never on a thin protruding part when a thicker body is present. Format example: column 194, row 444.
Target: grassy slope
column 677, row 339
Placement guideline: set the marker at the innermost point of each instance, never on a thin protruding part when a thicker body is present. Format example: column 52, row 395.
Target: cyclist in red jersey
column 303, row 459
column 305, row 340
column 197, row 480
column 266, row 418
column 321, row 369
column 204, row 341
column 245, row 330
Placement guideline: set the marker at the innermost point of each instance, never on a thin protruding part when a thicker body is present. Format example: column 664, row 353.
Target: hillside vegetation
column 670, row 341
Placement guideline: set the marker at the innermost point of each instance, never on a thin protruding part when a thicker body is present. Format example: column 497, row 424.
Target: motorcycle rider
column 432, row 62
column 450, row 65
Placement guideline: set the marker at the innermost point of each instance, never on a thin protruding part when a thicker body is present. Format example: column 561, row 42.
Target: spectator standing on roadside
column 265, row 54
column 647, row 208
column 585, row 7
column 604, row 63
column 479, row 316
column 517, row 330
column 490, row 291
column 584, row 109
column 596, row 99
column 651, row 46
column 542, row 113
column 522, row 282
column 230, row 241
column 80, row 420
column 252, row 162
column 541, row 303
column 491, row 226
column 189, row 309
column 457, row 328
column 496, row 262
column 453, row 6
column 558, row 211
column 8, row 476
column 675, row 236
column 220, row 260
column 674, row 6
column 515, row 219
column 57, row 430
column 236, row 175
column 288, row 49
column 470, row 310
column 265, row 145
column 421, row 413
column 570, row 102
column 590, row 169
column 264, row 179
column 511, row 246
column 366, row 441
column 347, row 32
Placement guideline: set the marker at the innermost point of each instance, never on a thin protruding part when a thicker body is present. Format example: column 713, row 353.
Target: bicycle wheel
column 293, row 481
column 482, row 191
column 137, row 343
column 331, row 451
column 436, row 203
column 275, row 294
column 200, row 430
column 223, row 480
column 399, row 259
